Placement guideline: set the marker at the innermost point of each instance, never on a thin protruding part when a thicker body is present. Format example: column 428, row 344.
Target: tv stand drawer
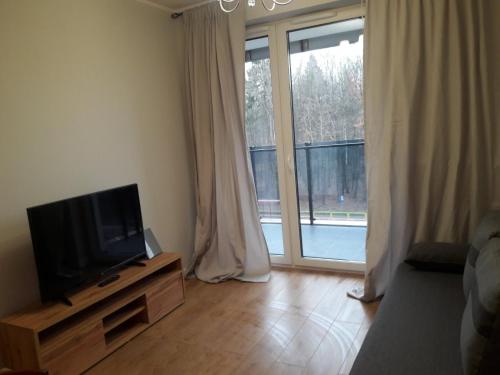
column 164, row 297
column 74, row 355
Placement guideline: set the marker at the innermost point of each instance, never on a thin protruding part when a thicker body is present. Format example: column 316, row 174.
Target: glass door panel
column 261, row 140
column 326, row 80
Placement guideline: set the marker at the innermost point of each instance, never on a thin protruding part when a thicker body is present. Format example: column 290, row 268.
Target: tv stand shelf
column 69, row 339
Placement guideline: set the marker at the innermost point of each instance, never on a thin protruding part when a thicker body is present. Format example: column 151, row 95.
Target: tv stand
column 69, row 340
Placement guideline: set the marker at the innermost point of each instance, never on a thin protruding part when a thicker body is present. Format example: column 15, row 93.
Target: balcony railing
column 329, row 174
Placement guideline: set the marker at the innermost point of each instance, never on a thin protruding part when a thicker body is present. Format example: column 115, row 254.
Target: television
column 85, row 239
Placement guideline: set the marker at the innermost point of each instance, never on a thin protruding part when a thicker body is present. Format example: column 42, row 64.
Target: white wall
column 90, row 98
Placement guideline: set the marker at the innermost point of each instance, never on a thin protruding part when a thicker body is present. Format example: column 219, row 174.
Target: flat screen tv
column 85, row 239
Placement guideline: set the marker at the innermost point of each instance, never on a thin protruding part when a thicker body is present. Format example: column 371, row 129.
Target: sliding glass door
column 305, row 75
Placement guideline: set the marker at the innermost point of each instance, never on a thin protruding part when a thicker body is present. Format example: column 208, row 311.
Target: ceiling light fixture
column 229, row 6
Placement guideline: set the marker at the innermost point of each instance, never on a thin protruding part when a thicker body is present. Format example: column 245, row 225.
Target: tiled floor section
column 298, row 323
column 322, row 241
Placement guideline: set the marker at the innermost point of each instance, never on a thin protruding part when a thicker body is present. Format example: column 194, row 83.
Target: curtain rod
column 181, row 11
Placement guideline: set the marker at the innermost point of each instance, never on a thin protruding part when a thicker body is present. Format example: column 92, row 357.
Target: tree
column 327, row 101
column 259, row 105
column 309, row 104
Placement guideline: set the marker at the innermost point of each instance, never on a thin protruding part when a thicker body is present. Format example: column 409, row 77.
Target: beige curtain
column 229, row 241
column 430, row 126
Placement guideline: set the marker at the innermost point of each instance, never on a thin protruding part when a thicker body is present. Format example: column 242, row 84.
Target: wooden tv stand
column 68, row 340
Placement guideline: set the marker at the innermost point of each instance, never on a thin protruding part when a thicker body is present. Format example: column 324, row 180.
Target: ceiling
column 177, row 4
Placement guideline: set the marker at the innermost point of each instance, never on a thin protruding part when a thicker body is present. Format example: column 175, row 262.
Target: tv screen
column 80, row 240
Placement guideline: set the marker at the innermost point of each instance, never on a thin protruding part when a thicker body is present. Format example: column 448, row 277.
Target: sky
column 344, row 50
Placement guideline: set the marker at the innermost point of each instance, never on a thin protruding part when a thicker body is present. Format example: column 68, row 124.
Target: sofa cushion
column 487, row 228
column 417, row 327
column 483, row 306
column 438, row 256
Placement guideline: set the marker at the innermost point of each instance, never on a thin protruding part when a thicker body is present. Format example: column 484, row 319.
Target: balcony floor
column 322, row 241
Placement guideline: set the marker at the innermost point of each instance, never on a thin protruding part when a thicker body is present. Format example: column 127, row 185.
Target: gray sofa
column 426, row 325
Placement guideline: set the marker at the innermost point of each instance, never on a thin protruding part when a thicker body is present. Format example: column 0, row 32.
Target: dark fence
column 331, row 179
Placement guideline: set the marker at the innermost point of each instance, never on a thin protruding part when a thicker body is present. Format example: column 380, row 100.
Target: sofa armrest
column 438, row 256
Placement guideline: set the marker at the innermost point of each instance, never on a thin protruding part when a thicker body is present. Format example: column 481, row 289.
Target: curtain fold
column 229, row 242
column 430, row 127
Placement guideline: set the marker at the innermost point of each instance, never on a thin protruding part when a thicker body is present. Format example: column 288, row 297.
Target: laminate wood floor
column 300, row 322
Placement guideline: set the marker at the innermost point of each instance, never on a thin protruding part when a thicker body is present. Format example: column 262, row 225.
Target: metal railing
column 307, row 147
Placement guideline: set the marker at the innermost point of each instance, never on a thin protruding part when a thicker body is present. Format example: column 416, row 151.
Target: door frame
column 283, row 123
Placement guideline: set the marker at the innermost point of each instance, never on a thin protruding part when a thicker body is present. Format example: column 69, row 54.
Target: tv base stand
column 108, row 280
column 137, row 263
column 67, row 340
column 65, row 300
